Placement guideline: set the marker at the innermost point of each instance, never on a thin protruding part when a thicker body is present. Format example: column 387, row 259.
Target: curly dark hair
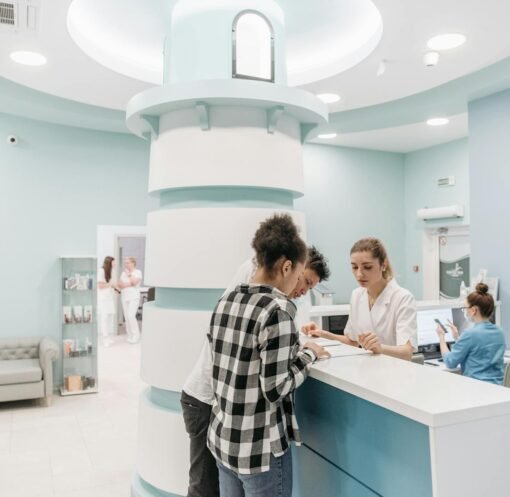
column 278, row 236
column 318, row 263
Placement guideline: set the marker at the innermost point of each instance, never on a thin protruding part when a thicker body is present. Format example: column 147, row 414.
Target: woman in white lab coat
column 129, row 284
column 383, row 314
column 105, row 300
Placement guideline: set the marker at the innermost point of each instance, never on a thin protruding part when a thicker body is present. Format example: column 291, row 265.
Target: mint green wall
column 489, row 156
column 56, row 186
column 422, row 170
column 350, row 194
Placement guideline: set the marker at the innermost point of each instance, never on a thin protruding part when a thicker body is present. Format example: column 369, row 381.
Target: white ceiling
column 403, row 139
column 407, row 25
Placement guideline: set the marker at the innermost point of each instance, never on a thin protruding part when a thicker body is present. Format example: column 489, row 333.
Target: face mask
column 467, row 317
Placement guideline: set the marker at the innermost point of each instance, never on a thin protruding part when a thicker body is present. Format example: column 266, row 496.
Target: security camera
column 12, row 140
column 430, row 59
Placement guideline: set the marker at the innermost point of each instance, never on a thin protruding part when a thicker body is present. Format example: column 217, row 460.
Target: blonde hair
column 378, row 251
column 131, row 259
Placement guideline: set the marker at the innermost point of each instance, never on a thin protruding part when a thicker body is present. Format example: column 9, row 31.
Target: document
column 345, row 351
column 323, row 342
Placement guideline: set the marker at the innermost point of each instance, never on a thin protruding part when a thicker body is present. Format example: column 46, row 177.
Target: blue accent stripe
column 141, row 488
column 164, row 399
column 344, row 472
column 227, row 196
column 188, row 299
column 384, row 451
column 314, row 475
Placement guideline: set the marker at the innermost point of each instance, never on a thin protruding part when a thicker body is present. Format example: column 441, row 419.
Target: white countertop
column 422, row 393
column 343, row 309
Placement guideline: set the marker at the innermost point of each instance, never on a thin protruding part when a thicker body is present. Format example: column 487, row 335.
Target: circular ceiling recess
column 323, row 38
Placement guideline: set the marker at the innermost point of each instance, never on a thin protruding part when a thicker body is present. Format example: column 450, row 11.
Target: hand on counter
column 370, row 341
column 310, row 328
column 320, row 352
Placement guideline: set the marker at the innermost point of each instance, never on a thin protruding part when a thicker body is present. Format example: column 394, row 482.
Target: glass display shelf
column 79, row 325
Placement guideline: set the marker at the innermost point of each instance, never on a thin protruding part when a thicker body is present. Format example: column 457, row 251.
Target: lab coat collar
column 385, row 297
column 379, row 308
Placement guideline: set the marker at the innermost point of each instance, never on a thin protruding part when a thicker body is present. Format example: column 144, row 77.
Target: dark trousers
column 203, row 472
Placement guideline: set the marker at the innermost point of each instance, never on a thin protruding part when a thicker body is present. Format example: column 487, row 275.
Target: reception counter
column 379, row 426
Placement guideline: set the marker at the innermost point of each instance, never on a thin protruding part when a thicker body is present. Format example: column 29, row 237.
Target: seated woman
column 480, row 349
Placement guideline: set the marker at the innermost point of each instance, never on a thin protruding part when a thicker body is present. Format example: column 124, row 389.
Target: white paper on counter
column 323, row 342
column 344, row 351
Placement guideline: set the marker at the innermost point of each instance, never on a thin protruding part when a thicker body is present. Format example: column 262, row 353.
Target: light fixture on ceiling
column 28, row 58
column 327, row 136
column 446, row 41
column 328, row 98
column 438, row 121
column 430, row 59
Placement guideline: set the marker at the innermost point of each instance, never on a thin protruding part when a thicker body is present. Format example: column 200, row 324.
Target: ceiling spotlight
column 327, row 136
column 381, row 68
column 28, row 58
column 438, row 121
column 430, row 59
column 328, row 98
column 446, row 41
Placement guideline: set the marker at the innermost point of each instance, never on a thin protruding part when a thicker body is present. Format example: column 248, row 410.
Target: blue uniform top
column 480, row 352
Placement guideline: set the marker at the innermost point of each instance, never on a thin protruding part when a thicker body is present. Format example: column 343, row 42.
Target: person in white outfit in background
column 129, row 284
column 105, row 300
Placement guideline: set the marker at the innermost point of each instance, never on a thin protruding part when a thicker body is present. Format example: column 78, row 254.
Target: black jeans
column 203, row 472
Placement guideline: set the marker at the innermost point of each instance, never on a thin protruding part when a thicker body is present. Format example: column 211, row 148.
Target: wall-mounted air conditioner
column 440, row 212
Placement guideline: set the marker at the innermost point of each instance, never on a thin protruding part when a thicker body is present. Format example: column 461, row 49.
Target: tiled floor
column 81, row 446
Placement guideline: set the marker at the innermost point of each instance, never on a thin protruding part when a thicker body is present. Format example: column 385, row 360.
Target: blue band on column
column 140, row 488
column 188, row 299
column 223, row 196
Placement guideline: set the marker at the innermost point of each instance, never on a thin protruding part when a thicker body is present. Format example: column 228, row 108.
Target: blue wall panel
column 388, row 453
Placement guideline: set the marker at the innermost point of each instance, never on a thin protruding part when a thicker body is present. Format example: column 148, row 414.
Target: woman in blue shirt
column 480, row 349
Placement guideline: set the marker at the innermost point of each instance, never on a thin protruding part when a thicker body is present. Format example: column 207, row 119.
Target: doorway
column 131, row 246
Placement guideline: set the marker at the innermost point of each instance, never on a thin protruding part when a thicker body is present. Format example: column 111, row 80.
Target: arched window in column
column 252, row 47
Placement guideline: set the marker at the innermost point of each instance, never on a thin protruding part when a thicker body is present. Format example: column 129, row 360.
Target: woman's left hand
column 370, row 341
column 439, row 331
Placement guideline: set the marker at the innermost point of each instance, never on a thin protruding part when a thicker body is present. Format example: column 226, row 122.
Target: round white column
column 225, row 155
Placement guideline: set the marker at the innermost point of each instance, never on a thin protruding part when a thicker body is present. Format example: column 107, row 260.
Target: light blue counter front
column 373, row 425
column 354, row 448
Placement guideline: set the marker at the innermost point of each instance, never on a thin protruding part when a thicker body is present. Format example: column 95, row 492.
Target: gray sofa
column 26, row 369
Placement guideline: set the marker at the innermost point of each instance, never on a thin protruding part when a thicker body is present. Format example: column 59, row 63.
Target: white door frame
column 430, row 264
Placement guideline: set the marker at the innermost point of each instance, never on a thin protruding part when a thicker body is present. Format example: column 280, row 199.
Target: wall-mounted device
column 440, row 212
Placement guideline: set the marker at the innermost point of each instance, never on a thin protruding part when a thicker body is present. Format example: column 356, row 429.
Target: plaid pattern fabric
column 258, row 362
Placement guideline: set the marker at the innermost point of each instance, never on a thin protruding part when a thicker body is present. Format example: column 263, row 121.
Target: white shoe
column 133, row 340
column 107, row 342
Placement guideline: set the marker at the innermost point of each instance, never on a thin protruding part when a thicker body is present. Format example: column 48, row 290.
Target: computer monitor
column 427, row 334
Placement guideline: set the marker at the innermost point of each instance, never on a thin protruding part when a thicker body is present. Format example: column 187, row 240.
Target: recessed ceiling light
column 446, row 41
column 327, row 136
column 438, row 121
column 328, row 98
column 28, row 58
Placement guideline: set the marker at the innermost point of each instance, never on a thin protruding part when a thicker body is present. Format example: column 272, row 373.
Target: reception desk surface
column 379, row 426
column 420, row 393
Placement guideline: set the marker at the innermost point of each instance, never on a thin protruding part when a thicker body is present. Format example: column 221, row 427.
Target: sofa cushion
column 20, row 371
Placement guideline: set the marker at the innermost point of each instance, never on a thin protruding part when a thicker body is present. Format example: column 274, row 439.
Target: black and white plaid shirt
column 257, row 364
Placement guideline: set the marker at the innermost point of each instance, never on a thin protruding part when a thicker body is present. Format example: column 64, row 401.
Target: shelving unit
column 79, row 325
